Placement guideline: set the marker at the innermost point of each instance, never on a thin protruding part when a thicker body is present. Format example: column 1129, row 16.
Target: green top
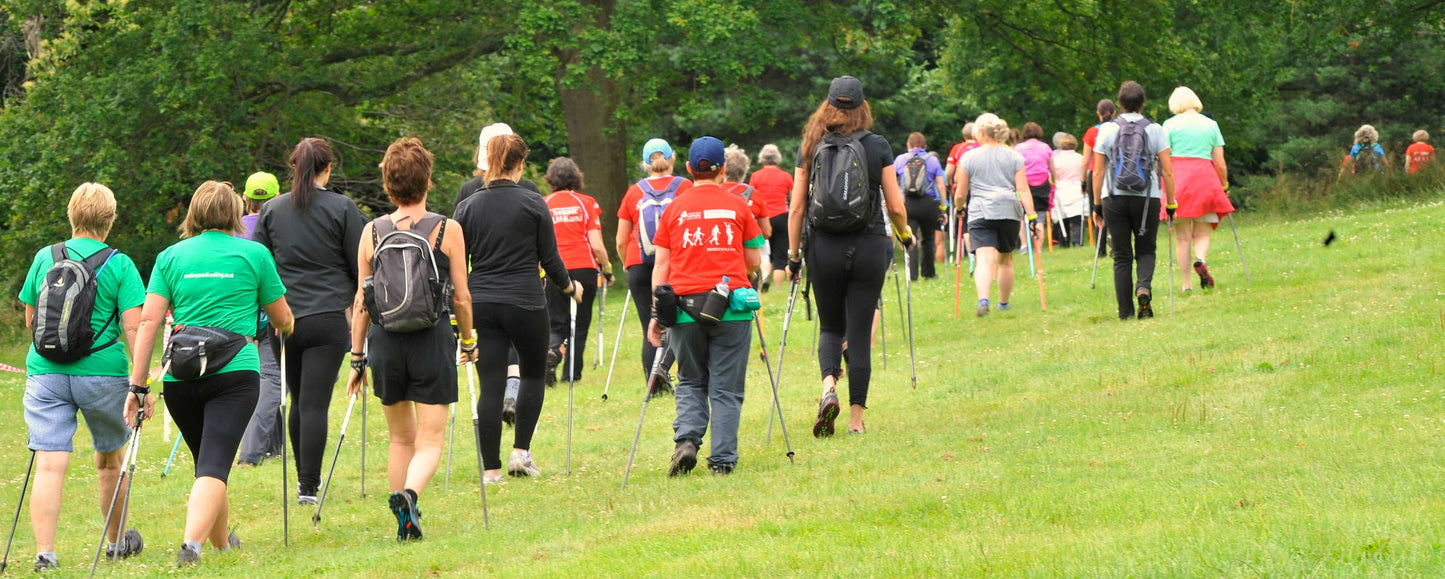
column 731, row 315
column 119, row 285
column 1193, row 135
column 215, row 280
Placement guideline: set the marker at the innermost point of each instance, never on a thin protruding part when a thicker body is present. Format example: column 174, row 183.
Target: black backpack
column 916, row 176
column 841, row 198
column 64, row 306
column 1133, row 163
column 405, row 292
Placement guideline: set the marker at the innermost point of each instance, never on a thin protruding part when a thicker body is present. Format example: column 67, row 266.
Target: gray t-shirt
column 992, row 193
column 1158, row 143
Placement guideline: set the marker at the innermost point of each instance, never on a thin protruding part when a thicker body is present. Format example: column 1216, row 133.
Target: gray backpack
column 405, row 292
column 1132, row 161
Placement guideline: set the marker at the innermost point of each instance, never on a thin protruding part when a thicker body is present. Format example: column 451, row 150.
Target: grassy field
column 1288, row 427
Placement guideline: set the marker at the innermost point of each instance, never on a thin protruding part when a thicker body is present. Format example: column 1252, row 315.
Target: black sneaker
column 130, row 543
column 408, row 516
column 723, row 469
column 232, row 541
column 1145, row 310
column 509, row 411
column 684, row 458
column 554, row 358
column 187, row 557
column 1206, row 281
column 42, row 564
column 827, row 413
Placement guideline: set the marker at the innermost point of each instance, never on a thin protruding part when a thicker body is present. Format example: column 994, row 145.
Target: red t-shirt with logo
column 573, row 216
column 772, row 186
column 1417, row 154
column 706, row 231
column 628, row 211
column 958, row 150
column 754, row 207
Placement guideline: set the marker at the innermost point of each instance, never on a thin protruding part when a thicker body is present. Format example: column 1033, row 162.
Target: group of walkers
column 1367, row 156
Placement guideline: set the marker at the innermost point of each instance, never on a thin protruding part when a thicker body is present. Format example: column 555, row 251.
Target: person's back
column 991, row 184
column 314, row 249
column 504, row 232
column 1155, row 142
column 1068, row 166
column 772, row 187
column 1036, row 156
column 1419, row 152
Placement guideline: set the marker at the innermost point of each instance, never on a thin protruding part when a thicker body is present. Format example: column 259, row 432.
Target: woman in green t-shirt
column 1202, row 179
column 211, row 279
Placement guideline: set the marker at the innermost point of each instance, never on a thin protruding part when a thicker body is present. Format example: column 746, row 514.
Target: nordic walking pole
column 166, row 421
column 899, row 292
column 757, row 321
column 621, row 320
column 285, row 504
column 912, row 362
column 783, row 347
column 365, row 347
column 1173, row 263
column 601, row 315
column 1239, row 249
column 1049, row 234
column 882, row 332
column 571, row 378
column 321, row 502
column 470, row 368
column 646, row 397
column 172, row 459
column 1039, row 272
column 24, row 486
column 1098, row 248
column 127, row 473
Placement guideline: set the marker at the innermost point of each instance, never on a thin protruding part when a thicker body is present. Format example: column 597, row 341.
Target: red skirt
column 1197, row 190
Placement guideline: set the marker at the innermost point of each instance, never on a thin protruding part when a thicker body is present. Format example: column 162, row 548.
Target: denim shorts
column 51, row 402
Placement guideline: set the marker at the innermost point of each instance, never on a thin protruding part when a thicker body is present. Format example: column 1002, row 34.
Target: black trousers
column 314, row 353
column 923, row 220
column 847, row 275
column 559, row 311
column 212, row 414
column 499, row 328
column 639, row 280
column 1133, row 223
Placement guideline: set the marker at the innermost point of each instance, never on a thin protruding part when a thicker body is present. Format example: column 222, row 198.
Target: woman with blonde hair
column 994, row 187
column 1068, row 173
column 1201, row 180
column 214, row 283
column 1366, row 155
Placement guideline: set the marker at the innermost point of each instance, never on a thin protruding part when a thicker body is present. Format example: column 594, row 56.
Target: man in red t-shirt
column 774, row 186
column 706, row 240
column 1419, row 152
column 577, row 222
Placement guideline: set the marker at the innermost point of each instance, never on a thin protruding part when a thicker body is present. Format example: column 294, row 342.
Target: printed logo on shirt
column 719, row 238
column 214, row 274
column 568, row 215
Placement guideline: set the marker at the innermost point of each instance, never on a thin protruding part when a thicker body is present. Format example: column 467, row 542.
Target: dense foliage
column 154, row 96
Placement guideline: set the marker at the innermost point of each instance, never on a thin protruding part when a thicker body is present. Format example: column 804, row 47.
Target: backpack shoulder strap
column 646, row 187
column 429, row 222
column 673, row 186
column 57, row 253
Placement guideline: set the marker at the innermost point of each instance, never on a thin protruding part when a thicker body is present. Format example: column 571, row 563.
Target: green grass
column 1289, row 427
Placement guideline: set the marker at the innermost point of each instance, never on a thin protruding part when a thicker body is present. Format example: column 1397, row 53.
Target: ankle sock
column 983, row 303
column 514, row 385
column 194, row 545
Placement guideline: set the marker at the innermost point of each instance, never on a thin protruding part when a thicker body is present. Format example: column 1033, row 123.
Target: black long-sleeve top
column 508, row 230
column 315, row 251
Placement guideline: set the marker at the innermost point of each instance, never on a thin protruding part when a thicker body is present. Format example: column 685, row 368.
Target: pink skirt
column 1197, row 190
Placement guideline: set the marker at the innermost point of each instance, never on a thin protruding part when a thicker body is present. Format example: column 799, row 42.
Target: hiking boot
column 520, row 463
column 827, row 413
column 509, row 411
column 306, row 495
column 408, row 517
column 723, row 469
column 661, row 385
column 130, row 543
column 554, row 358
column 1145, row 310
column 43, row 564
column 684, row 458
column 1206, row 281
column 187, row 557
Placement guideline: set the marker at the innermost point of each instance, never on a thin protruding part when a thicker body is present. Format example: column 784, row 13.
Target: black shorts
column 1000, row 234
column 1041, row 197
column 418, row 366
column 778, row 243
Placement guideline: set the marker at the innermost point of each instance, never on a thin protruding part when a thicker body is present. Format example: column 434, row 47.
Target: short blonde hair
column 989, row 127
column 1183, row 99
column 735, row 164
column 214, row 205
column 91, row 210
column 1420, row 136
column 770, row 155
column 1366, row 134
column 1068, row 142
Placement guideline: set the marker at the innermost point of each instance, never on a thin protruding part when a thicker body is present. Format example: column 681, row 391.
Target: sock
column 983, row 303
column 194, row 545
column 50, row 557
column 514, row 384
column 110, row 547
column 1003, row 305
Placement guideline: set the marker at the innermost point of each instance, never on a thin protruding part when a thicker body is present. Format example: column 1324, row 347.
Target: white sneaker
column 521, row 464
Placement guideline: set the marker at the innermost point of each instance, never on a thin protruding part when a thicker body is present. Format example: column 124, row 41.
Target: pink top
column 1068, row 166
column 1036, row 160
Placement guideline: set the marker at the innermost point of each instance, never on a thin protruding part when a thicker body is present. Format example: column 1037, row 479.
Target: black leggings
column 847, row 274
column 314, row 353
column 778, row 243
column 212, row 414
column 639, row 280
column 1123, row 216
column 559, row 310
column 499, row 328
column 923, row 220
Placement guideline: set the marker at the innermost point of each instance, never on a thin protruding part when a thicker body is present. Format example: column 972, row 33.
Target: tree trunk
column 598, row 144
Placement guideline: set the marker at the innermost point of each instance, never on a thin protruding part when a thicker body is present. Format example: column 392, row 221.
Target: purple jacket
column 932, row 169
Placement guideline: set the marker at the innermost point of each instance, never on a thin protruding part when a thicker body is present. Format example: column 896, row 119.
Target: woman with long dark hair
column 509, row 232
column 846, row 269
column 313, row 232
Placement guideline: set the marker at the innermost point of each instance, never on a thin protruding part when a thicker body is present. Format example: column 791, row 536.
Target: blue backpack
column 649, row 212
column 1132, row 161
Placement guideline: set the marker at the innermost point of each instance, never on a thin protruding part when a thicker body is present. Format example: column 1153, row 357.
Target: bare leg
column 1183, row 233
column 220, row 535
column 1005, row 277
column 855, row 419
column 1201, row 240
column 206, row 507
column 431, row 422
column 829, row 383
column 45, row 495
column 983, row 273
column 401, row 424
column 940, row 245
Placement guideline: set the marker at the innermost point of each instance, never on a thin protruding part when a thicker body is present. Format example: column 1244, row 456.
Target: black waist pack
column 199, row 351
column 707, row 308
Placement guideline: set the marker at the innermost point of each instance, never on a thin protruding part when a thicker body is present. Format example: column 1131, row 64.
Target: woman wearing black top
column 508, row 230
column 846, row 271
column 313, row 232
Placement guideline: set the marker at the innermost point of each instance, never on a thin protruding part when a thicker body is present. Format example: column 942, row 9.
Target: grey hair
column 735, row 164
column 1366, row 134
column 770, row 155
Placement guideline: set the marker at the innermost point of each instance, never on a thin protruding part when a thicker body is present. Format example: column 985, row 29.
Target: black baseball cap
column 845, row 93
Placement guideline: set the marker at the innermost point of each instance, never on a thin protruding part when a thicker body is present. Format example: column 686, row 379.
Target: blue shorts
column 51, row 403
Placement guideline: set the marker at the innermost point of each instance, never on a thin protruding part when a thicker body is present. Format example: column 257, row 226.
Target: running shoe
column 130, row 544
column 827, row 413
column 982, row 310
column 553, row 359
column 408, row 517
column 1206, row 281
column 723, row 469
column 42, row 564
column 187, row 557
column 1145, row 310
column 1003, row 306
column 509, row 411
column 232, row 541
column 520, row 463
column 306, row 495
column 684, row 458
column 494, row 480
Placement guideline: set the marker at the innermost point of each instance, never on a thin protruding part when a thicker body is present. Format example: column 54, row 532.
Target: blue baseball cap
column 706, row 155
column 656, row 146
